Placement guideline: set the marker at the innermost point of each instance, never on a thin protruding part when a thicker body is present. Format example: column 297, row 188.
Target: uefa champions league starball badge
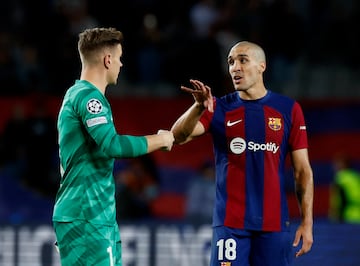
column 94, row 106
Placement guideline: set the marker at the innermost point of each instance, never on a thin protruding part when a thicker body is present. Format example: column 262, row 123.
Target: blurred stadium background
column 313, row 55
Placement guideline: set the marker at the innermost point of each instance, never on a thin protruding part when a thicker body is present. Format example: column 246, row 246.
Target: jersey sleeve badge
column 94, row 106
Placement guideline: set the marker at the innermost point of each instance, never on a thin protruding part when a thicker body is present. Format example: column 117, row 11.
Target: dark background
column 312, row 52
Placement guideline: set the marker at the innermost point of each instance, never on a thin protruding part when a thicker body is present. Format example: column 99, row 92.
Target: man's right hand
column 168, row 139
column 201, row 93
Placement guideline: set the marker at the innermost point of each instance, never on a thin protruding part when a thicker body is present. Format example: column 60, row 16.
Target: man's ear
column 107, row 61
column 262, row 67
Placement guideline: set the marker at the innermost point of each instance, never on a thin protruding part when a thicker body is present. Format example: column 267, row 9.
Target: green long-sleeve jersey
column 88, row 145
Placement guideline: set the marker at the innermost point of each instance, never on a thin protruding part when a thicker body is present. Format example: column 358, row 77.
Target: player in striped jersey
column 253, row 130
column 84, row 215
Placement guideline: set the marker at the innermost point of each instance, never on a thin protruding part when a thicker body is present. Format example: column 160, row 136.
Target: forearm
column 186, row 123
column 305, row 196
column 123, row 146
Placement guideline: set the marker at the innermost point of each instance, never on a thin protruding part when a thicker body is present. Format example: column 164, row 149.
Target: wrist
column 199, row 106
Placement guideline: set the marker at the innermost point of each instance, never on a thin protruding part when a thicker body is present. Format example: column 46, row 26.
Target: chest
column 257, row 125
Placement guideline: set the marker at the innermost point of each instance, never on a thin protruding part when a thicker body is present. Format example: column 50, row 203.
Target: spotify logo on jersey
column 238, row 145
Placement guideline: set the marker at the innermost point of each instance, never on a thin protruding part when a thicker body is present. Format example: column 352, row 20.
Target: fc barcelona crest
column 274, row 123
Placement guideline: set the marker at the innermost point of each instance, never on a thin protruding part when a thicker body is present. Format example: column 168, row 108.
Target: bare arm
column 304, row 188
column 187, row 126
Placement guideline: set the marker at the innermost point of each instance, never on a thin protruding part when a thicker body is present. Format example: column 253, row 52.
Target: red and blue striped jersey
column 251, row 139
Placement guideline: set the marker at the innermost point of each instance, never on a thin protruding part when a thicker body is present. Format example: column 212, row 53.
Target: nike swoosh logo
column 229, row 123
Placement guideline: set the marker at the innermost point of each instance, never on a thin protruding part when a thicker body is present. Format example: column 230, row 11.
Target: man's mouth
column 237, row 79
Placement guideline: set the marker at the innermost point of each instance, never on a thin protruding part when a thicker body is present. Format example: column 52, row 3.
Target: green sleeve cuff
column 132, row 146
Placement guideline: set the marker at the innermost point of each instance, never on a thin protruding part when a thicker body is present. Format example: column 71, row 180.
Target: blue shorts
column 238, row 247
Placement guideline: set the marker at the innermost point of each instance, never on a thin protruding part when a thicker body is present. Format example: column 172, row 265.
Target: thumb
column 210, row 106
column 297, row 239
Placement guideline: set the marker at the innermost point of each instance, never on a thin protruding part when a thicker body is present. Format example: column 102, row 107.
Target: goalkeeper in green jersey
column 84, row 215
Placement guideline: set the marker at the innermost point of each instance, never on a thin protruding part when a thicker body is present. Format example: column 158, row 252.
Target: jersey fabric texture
column 251, row 140
column 83, row 243
column 88, row 146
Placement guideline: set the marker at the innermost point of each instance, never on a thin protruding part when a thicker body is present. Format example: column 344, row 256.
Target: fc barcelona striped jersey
column 251, row 140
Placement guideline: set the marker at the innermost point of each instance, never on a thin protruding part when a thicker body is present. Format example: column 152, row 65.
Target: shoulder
column 228, row 99
column 281, row 97
column 84, row 90
column 281, row 101
column 84, row 96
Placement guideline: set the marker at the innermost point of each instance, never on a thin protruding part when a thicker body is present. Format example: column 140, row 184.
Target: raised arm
column 187, row 126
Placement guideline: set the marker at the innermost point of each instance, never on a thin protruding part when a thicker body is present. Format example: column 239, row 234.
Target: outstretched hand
column 201, row 93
